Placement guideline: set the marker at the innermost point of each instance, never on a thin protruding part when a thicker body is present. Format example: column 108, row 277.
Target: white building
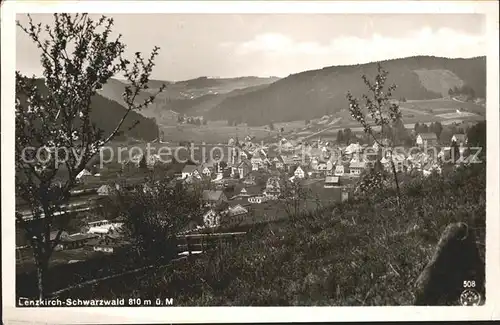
column 299, row 172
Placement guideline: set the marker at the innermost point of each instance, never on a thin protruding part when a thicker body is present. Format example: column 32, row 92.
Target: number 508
column 469, row 284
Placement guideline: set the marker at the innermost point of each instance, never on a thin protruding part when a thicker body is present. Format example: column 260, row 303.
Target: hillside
column 107, row 113
column 192, row 97
column 312, row 94
column 360, row 252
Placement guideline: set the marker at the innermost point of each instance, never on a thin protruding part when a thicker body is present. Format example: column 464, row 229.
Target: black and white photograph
column 166, row 158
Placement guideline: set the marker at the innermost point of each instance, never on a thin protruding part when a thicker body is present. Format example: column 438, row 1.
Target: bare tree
column 382, row 111
column 53, row 116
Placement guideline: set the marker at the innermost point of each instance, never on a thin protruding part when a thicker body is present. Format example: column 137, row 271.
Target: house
column 249, row 180
column 211, row 218
column 190, row 171
column 108, row 244
column 258, row 199
column 357, row 167
column 104, row 228
column 76, row 241
column 339, row 170
column 399, row 162
column 62, row 236
column 426, row 139
column 209, row 168
column 236, row 214
column 320, row 165
column 460, row 139
column 206, row 171
column 332, row 181
column 84, row 173
column 213, row 198
column 299, row 172
column 242, row 169
column 257, row 159
column 107, row 189
column 273, row 187
column 246, row 192
column 353, row 148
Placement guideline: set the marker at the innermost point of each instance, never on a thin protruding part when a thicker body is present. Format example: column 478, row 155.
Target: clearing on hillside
column 439, row 80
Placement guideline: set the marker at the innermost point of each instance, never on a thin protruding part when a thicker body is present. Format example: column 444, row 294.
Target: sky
column 232, row 45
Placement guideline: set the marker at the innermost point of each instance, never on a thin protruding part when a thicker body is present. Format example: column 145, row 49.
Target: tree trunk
column 398, row 192
column 42, row 267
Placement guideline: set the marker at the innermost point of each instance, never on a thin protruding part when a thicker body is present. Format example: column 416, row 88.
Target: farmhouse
column 426, row 139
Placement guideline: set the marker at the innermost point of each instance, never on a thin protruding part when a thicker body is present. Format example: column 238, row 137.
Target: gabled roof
column 236, row 210
column 84, row 172
column 210, row 195
column 106, row 188
column 428, row 136
column 299, row 168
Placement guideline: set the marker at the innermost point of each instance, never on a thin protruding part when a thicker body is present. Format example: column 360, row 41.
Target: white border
column 247, row 314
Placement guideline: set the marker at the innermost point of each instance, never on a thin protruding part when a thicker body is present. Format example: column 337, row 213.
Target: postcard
column 257, row 161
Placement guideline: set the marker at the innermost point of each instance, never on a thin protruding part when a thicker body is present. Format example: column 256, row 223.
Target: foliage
column 78, row 58
column 155, row 213
column 293, row 197
column 464, row 90
column 477, row 135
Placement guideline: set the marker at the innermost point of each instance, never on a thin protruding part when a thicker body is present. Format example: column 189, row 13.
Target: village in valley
column 247, row 181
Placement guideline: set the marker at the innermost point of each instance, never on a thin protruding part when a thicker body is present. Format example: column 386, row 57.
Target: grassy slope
column 356, row 253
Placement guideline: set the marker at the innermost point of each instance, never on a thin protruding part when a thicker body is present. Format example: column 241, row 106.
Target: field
column 456, row 115
column 445, row 103
column 212, row 133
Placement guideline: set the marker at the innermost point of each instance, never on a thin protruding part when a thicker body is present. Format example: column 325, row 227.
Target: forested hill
column 106, row 114
column 312, row 94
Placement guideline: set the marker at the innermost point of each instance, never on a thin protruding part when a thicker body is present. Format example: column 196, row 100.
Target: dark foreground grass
column 361, row 252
